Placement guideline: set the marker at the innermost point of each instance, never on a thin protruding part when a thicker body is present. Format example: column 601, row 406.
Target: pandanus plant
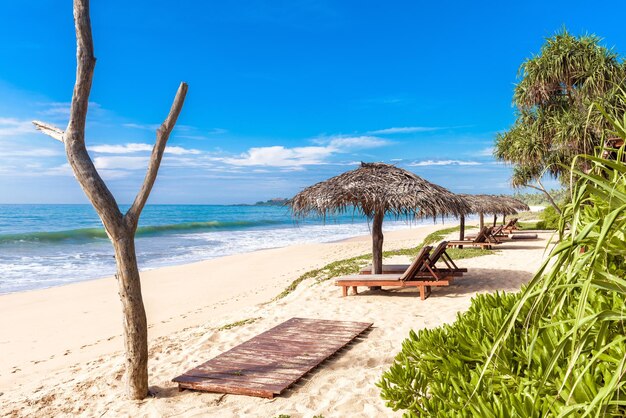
column 556, row 348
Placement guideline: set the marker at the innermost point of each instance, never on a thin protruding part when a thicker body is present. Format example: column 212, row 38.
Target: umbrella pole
column 462, row 229
column 377, row 245
column 495, row 220
column 482, row 221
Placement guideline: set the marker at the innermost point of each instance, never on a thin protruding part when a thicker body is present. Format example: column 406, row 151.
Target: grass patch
column 238, row 324
column 526, row 216
column 355, row 264
column 530, row 225
column 459, row 254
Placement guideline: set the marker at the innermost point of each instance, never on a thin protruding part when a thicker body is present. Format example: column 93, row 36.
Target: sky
column 282, row 94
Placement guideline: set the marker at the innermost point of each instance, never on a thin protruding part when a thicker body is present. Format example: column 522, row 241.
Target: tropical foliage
column 550, row 218
column 558, row 347
column 553, row 100
column 539, row 199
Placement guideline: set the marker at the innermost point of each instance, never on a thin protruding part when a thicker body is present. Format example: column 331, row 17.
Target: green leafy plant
column 557, row 348
column 549, row 218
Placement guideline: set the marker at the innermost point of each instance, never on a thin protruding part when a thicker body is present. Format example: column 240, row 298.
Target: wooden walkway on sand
column 272, row 361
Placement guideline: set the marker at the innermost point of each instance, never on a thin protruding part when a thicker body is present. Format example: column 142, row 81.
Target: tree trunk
column 120, row 228
column 134, row 317
column 482, row 221
column 377, row 246
column 462, row 229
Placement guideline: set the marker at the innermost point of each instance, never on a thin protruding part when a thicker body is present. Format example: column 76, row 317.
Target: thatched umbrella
column 491, row 204
column 375, row 189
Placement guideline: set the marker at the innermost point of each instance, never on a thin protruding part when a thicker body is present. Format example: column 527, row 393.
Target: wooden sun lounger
column 438, row 254
column 419, row 274
column 511, row 225
column 391, row 280
column 499, row 232
column 491, row 235
column 481, row 241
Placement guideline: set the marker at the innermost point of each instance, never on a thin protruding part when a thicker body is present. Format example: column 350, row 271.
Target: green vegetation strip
column 238, row 324
column 355, row 264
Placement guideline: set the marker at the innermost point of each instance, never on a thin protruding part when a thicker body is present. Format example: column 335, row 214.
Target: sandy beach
column 62, row 347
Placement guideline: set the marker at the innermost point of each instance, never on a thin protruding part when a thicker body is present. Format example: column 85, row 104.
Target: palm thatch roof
column 378, row 188
column 515, row 203
column 494, row 204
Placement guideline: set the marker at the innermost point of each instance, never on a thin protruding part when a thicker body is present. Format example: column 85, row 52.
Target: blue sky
column 282, row 94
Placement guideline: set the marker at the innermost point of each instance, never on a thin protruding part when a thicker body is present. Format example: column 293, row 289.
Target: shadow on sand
column 477, row 280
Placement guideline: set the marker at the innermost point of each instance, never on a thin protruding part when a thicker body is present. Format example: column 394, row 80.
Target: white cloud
column 485, row 152
column 13, row 127
column 404, row 130
column 120, row 149
column 428, row 163
column 147, row 127
column 121, row 162
column 113, row 174
column 138, row 147
column 175, row 150
column 34, row 152
column 279, row 156
column 61, row 170
column 62, row 109
column 341, row 143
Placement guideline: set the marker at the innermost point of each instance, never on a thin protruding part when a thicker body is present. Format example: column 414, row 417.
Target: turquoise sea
column 50, row 245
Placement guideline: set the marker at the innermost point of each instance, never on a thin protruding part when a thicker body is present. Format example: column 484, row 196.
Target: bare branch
column 77, row 155
column 50, row 130
column 544, row 191
column 86, row 62
column 163, row 134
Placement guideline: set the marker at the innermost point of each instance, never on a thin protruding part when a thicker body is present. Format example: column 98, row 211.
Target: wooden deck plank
column 272, row 361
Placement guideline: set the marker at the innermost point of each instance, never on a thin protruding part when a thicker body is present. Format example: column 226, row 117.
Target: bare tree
column 120, row 227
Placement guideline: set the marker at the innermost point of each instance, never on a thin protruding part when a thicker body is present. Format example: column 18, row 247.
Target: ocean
column 50, row 245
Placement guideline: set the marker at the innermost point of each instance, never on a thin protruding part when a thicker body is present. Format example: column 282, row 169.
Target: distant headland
column 277, row 201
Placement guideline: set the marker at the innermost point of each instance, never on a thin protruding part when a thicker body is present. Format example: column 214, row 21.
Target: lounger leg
column 422, row 293
column 354, row 290
column 344, row 290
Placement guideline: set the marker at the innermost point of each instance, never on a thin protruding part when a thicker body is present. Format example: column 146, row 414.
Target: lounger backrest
column 497, row 230
column 446, row 257
column 417, row 264
column 509, row 223
column 437, row 253
column 482, row 235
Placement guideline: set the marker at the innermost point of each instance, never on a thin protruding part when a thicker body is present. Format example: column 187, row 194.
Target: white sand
column 61, row 347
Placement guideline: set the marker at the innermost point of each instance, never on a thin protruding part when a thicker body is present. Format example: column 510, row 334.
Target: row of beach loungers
column 423, row 272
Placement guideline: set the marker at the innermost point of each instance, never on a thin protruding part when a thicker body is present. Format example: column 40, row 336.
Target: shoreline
column 47, row 264
column 78, row 321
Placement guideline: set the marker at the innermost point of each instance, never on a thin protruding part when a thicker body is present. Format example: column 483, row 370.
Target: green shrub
column 549, row 218
column 556, row 348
